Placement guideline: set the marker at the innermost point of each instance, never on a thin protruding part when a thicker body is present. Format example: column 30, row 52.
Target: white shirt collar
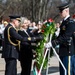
column 23, row 29
column 66, row 17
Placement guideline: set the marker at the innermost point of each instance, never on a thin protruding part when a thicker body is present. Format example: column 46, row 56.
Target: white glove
column 48, row 45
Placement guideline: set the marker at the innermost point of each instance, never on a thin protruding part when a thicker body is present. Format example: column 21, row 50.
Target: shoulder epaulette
column 71, row 20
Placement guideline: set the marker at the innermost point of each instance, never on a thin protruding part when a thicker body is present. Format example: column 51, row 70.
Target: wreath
column 47, row 29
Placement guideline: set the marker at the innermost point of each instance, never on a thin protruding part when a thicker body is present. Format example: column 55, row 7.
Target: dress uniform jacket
column 9, row 50
column 66, row 31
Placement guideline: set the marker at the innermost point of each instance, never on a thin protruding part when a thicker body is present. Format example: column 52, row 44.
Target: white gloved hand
column 48, row 45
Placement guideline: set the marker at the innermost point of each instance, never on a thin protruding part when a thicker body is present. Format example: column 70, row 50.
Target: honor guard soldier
column 65, row 40
column 11, row 43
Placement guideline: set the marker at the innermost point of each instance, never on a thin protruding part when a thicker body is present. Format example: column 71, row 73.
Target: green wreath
column 47, row 29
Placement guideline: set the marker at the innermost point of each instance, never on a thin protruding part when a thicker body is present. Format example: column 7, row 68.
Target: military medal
column 64, row 28
column 29, row 38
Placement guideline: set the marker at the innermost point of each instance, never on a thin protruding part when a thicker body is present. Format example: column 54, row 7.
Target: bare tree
column 33, row 9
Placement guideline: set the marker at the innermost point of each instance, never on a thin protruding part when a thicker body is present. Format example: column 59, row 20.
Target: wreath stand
column 48, row 51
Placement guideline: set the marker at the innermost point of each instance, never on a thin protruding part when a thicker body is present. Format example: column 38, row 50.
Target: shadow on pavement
column 51, row 70
column 18, row 74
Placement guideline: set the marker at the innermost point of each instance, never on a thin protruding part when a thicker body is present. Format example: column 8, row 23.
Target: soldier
column 11, row 43
column 66, row 49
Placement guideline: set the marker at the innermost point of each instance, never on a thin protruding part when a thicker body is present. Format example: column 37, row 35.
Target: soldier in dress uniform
column 66, row 42
column 11, row 43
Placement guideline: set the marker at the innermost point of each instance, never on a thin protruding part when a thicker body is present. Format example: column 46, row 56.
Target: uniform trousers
column 69, row 63
column 11, row 66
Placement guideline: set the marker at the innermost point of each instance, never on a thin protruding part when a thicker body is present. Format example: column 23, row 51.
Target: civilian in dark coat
column 25, row 49
column 26, row 53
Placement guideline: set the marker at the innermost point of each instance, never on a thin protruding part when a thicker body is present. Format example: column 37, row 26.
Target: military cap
column 15, row 17
column 63, row 6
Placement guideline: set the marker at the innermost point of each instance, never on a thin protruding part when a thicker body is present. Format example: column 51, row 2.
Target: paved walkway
column 53, row 69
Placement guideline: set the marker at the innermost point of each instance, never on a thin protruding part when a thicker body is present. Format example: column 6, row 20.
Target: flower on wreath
column 47, row 29
column 73, row 16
